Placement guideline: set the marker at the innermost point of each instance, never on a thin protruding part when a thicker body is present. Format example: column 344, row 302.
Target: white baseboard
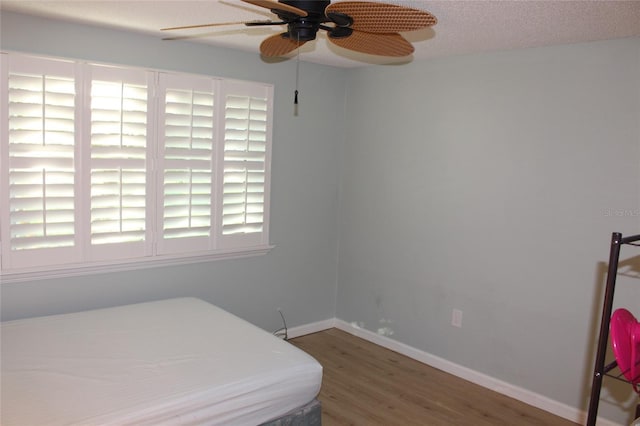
column 528, row 397
column 314, row 327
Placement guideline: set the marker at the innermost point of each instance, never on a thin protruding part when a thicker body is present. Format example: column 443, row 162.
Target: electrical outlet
column 456, row 318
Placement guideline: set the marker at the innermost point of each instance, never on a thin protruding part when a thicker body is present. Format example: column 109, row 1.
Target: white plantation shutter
column 186, row 163
column 118, row 175
column 38, row 185
column 246, row 159
column 107, row 167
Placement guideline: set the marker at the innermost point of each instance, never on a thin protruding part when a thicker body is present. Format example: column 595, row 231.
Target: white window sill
column 7, row 277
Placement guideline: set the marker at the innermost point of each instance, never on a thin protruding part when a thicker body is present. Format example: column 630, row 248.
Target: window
column 110, row 167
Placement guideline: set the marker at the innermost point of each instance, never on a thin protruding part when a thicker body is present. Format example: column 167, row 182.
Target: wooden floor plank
column 365, row 384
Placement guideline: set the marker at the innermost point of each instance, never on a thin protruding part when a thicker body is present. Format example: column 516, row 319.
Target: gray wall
column 299, row 274
column 492, row 183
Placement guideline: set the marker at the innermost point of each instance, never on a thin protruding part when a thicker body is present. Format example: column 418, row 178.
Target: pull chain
column 295, row 98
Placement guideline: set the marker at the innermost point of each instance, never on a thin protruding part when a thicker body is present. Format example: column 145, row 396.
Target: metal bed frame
column 600, row 369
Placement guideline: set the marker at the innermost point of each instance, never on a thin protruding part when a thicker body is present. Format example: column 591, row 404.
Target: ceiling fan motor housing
column 302, row 30
column 305, row 28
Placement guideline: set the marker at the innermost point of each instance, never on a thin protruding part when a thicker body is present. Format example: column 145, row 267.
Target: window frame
column 155, row 253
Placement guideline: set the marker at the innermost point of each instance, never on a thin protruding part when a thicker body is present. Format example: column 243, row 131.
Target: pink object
column 625, row 339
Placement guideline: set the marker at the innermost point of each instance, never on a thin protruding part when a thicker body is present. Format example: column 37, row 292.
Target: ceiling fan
column 362, row 26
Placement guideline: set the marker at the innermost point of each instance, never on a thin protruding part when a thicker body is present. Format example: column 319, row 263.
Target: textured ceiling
column 463, row 26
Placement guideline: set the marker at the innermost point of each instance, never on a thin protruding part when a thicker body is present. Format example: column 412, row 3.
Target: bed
column 172, row 362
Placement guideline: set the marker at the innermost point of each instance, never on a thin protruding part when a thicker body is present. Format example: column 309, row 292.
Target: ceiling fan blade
column 278, row 45
column 274, row 5
column 375, row 44
column 382, row 17
column 247, row 23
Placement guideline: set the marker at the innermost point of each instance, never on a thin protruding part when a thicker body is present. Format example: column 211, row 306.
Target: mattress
column 178, row 361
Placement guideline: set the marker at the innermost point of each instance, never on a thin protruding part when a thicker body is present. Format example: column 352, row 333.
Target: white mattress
column 178, row 361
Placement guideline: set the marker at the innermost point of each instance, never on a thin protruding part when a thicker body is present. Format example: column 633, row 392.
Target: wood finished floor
column 365, row 384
